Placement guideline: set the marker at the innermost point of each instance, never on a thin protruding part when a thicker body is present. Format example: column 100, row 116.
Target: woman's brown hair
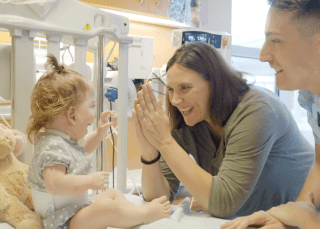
column 227, row 84
column 54, row 92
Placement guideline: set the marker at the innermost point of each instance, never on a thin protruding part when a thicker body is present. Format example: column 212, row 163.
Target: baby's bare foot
column 157, row 209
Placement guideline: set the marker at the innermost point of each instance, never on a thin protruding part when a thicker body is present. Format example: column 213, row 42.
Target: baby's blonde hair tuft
column 55, row 92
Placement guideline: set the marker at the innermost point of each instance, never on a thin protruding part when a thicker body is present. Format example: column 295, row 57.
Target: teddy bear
column 16, row 207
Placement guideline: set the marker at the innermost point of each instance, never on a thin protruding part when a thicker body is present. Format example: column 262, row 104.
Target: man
column 292, row 48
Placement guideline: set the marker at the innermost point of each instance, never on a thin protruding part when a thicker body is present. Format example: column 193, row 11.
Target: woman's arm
column 197, row 181
column 94, row 139
column 58, row 183
column 154, row 184
column 249, row 140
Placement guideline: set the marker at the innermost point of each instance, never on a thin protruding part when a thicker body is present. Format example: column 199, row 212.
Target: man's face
column 292, row 51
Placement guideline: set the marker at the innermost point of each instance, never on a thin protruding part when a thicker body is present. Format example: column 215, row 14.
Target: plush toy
column 16, row 207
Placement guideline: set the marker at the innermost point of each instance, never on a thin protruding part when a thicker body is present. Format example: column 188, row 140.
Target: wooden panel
column 132, row 5
column 161, row 10
column 5, row 38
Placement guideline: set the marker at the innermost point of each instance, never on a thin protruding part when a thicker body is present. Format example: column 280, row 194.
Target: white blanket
column 182, row 217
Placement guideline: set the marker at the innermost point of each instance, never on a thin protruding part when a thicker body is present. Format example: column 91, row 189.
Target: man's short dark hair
column 303, row 10
column 300, row 8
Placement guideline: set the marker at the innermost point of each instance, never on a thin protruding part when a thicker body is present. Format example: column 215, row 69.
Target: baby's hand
column 104, row 123
column 99, row 180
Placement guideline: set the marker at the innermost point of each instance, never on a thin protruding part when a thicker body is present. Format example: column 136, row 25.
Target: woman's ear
column 71, row 115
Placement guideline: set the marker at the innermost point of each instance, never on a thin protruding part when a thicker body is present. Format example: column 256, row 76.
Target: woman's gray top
column 262, row 159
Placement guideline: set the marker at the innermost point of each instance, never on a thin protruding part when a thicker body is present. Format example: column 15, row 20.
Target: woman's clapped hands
column 154, row 123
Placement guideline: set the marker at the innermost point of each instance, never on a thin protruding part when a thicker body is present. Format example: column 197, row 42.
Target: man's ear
column 71, row 115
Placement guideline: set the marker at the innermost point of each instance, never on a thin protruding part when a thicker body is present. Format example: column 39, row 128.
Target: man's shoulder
column 308, row 100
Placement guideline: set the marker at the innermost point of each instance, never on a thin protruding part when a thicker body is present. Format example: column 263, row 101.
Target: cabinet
column 154, row 7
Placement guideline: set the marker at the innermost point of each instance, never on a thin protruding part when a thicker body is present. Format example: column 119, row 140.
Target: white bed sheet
column 181, row 218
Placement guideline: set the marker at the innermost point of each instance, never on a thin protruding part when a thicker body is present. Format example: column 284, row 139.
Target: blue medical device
column 111, row 94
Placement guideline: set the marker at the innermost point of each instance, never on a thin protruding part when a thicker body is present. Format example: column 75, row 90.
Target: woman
column 246, row 145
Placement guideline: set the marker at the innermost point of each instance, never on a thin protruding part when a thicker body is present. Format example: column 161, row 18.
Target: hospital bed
column 87, row 28
column 71, row 22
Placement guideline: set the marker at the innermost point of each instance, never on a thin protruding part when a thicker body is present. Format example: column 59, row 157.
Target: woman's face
column 190, row 93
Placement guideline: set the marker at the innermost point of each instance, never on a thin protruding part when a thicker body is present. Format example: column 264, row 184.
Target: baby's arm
column 59, row 183
column 94, row 139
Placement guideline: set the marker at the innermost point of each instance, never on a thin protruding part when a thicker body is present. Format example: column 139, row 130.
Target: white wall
column 219, row 16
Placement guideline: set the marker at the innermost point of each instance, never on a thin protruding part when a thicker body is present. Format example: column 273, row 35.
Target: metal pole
column 122, row 118
column 100, row 92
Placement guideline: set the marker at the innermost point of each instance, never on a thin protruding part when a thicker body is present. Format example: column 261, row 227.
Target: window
column 258, row 72
column 248, row 20
column 247, row 31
